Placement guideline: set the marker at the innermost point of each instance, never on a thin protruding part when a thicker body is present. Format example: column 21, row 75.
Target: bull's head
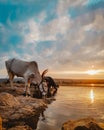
column 43, row 85
column 36, row 78
column 38, row 81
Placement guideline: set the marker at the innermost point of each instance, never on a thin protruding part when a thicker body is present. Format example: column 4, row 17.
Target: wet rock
column 83, row 124
column 49, row 100
column 20, row 111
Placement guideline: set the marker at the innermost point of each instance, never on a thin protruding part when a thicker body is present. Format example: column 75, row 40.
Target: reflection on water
column 73, row 103
column 92, row 95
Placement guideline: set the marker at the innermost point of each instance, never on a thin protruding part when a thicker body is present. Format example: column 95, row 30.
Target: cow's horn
column 44, row 72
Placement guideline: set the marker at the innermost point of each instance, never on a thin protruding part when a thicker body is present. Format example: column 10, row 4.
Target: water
column 73, row 103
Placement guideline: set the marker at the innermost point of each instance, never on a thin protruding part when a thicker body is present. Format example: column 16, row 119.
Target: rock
column 82, row 124
column 7, row 99
column 17, row 90
column 17, row 111
column 20, row 128
column 0, row 123
column 49, row 100
column 20, row 111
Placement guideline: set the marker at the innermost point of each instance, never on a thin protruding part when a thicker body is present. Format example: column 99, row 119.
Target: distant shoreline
column 81, row 82
column 82, row 85
column 68, row 82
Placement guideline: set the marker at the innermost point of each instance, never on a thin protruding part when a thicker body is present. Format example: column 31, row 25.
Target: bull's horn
column 44, row 72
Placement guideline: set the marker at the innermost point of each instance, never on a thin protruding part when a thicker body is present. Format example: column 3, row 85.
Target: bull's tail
column 8, row 65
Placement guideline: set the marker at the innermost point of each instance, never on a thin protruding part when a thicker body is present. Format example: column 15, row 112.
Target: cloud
column 55, row 34
column 80, row 42
column 64, row 5
column 33, row 33
column 58, row 26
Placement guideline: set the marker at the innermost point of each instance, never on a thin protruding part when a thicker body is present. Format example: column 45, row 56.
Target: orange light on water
column 92, row 96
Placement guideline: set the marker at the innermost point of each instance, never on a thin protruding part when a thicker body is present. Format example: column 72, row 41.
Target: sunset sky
column 65, row 36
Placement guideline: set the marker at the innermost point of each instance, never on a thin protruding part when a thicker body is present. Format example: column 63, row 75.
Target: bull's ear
column 44, row 72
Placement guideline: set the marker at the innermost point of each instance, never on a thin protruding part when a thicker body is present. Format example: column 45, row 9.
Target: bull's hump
column 34, row 63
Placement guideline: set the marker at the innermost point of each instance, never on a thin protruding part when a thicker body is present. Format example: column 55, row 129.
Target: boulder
column 83, row 124
column 20, row 111
column 7, row 99
column 20, row 128
column 0, row 123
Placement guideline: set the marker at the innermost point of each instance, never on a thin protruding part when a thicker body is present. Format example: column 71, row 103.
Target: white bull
column 28, row 70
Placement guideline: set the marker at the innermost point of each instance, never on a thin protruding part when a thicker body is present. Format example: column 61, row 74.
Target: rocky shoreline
column 19, row 112
column 83, row 124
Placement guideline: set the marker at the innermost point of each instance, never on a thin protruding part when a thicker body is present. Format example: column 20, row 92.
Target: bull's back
column 19, row 67
column 8, row 65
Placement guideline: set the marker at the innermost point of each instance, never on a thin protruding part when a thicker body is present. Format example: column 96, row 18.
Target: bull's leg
column 11, row 76
column 43, row 116
column 49, row 92
column 27, row 87
column 55, row 90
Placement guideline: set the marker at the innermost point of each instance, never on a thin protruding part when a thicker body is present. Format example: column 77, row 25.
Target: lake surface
column 73, row 103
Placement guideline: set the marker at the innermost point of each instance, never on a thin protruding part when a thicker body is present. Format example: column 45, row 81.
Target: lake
column 73, row 103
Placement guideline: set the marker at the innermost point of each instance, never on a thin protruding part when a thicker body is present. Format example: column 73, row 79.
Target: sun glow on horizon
column 92, row 72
